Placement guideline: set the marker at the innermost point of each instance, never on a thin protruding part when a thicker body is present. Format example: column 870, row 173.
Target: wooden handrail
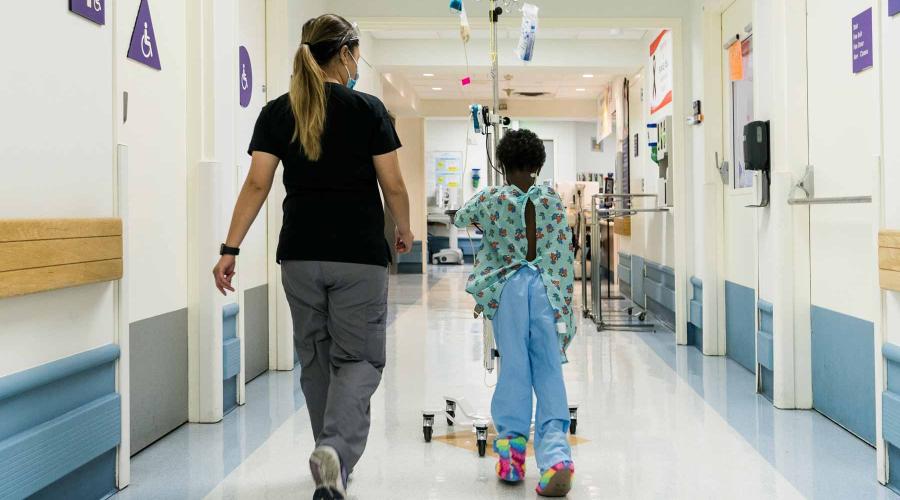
column 39, row 255
column 889, row 259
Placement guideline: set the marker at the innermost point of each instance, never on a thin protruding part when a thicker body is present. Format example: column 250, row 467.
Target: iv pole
column 495, row 79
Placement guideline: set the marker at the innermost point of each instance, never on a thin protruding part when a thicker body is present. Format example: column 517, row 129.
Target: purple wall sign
column 245, row 76
column 143, row 39
column 893, row 7
column 863, row 58
column 93, row 10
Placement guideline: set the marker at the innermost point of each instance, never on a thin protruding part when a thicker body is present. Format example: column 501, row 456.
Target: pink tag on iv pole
column 466, row 81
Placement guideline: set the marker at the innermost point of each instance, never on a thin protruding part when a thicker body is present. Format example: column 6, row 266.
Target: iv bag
column 465, row 31
column 525, row 49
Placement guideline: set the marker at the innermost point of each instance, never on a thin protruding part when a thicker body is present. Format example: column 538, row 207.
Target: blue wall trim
column 765, row 349
column 32, row 378
column 740, row 324
column 231, row 356
column 56, row 421
column 695, row 314
column 623, row 273
column 765, row 335
column 843, row 361
column 659, row 289
column 890, row 412
column 637, row 281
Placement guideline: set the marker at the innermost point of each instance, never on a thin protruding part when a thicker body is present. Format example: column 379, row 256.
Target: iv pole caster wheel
column 451, row 412
column 630, row 311
column 642, row 316
column 481, row 429
column 427, row 426
column 573, row 420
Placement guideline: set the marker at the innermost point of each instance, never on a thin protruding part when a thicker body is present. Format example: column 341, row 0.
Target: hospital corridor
column 449, row 249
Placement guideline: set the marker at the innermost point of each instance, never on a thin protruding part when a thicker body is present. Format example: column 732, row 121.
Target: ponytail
column 307, row 95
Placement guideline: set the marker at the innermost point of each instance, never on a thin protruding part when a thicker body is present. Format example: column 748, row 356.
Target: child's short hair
column 521, row 150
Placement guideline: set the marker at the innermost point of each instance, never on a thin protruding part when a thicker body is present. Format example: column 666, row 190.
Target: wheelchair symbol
column 244, row 83
column 146, row 47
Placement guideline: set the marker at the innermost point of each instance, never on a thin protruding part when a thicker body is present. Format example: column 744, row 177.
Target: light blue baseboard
column 637, row 281
column 231, row 356
column 843, row 361
column 740, row 325
column 59, row 424
column 623, row 273
column 659, row 291
column 695, row 314
column 765, row 349
column 890, row 413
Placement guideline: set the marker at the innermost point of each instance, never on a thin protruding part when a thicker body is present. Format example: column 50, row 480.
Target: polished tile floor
column 659, row 421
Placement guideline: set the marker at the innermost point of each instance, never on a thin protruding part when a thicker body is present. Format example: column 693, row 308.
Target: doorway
column 254, row 260
column 840, row 235
column 741, row 272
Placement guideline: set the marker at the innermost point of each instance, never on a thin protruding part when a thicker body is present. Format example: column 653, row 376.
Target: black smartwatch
column 227, row 250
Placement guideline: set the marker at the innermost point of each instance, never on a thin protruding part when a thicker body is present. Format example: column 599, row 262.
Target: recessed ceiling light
column 437, row 88
column 615, row 32
column 428, row 75
column 587, row 75
column 579, row 90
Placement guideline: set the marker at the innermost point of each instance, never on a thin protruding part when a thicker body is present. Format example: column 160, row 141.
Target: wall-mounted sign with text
column 893, row 7
column 863, row 58
column 92, row 10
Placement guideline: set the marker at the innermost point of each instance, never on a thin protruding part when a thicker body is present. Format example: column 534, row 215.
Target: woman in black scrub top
column 337, row 147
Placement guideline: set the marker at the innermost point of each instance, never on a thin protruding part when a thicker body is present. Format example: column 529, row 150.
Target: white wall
column 586, row 159
column 57, row 139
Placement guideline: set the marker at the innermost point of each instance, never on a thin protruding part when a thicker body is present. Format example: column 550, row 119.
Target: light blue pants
column 525, row 332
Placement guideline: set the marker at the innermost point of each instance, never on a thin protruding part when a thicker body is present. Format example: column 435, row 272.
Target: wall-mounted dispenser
column 757, row 158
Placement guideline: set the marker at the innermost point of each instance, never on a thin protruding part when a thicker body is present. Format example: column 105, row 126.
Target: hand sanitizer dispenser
column 757, row 158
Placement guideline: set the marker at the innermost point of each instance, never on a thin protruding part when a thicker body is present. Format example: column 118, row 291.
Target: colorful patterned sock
column 557, row 480
column 511, row 461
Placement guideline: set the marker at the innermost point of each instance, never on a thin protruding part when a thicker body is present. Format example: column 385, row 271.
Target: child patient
column 523, row 281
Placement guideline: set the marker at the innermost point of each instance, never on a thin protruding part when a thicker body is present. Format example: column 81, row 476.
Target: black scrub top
column 333, row 210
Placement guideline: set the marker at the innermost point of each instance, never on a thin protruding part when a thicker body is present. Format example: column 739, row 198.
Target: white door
column 741, row 245
column 254, row 260
column 844, row 144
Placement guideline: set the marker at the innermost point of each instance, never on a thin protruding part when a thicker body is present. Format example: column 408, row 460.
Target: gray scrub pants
column 339, row 312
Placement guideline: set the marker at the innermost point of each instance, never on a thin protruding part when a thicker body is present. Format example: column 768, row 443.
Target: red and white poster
column 661, row 71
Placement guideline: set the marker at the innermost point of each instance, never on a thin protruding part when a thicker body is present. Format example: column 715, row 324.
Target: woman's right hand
column 223, row 272
column 404, row 240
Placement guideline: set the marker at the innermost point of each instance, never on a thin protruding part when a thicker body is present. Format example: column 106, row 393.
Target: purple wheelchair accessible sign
column 245, row 76
column 92, row 10
column 143, row 39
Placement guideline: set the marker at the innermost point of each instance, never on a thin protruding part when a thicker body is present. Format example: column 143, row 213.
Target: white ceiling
column 509, row 33
column 560, row 83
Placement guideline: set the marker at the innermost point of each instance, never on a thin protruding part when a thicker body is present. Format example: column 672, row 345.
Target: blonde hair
column 322, row 40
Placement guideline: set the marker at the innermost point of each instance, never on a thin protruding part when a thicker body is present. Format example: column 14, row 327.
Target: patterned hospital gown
column 500, row 212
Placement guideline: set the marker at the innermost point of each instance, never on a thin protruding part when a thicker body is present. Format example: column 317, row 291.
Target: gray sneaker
column 326, row 469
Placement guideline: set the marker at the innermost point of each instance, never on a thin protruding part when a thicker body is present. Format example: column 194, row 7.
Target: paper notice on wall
column 736, row 61
column 447, row 168
column 661, row 71
column 893, row 7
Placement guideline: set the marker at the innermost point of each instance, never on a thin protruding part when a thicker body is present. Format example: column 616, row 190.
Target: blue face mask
column 351, row 80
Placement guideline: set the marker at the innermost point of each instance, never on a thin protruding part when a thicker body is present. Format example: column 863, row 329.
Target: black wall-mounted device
column 757, row 156
column 757, row 146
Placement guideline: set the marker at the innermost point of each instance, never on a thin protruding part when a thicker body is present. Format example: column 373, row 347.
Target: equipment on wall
column 757, row 150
